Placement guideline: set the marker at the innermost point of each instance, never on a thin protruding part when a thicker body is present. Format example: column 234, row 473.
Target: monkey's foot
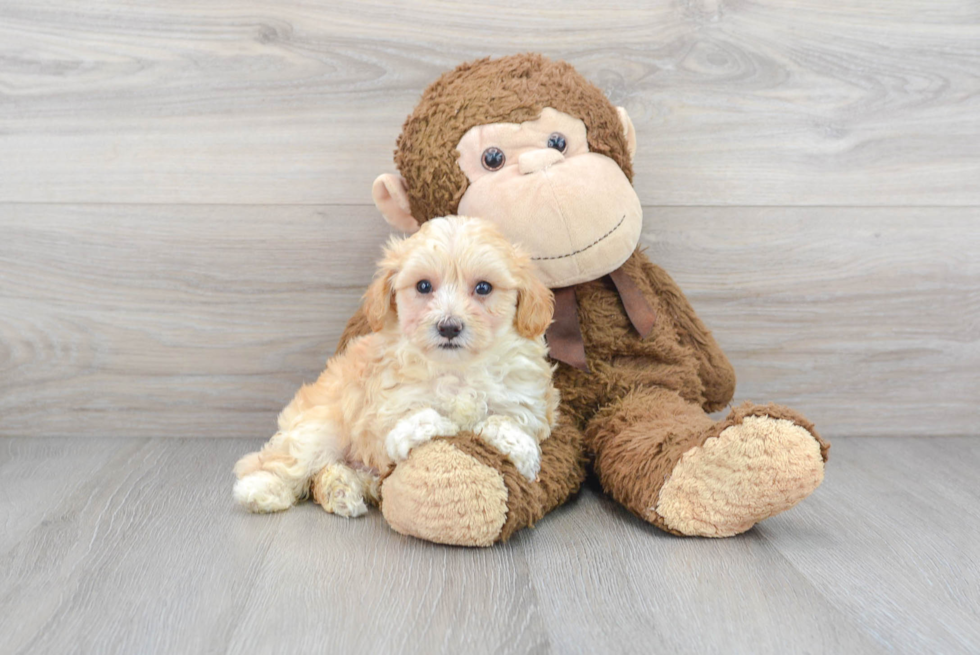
column 459, row 491
column 757, row 466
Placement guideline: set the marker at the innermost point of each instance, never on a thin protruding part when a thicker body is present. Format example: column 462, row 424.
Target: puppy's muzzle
column 449, row 329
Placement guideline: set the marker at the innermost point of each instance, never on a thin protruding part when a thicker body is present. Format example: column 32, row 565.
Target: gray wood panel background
column 185, row 221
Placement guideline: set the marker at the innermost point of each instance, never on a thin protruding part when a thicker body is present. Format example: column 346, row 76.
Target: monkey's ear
column 628, row 131
column 391, row 198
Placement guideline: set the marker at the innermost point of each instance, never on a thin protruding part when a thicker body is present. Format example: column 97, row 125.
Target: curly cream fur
column 404, row 383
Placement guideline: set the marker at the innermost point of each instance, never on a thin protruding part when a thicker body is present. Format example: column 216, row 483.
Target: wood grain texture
column 203, row 321
column 734, row 103
column 146, row 553
column 916, row 508
column 868, row 320
column 172, row 321
column 40, row 475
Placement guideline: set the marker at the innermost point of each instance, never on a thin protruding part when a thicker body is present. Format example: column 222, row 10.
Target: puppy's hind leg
column 278, row 476
column 345, row 491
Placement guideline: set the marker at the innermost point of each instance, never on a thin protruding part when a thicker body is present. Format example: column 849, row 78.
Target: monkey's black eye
column 483, row 288
column 557, row 141
column 423, row 286
column 493, row 159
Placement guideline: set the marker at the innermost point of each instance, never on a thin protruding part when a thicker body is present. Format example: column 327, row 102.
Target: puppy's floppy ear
column 379, row 299
column 535, row 303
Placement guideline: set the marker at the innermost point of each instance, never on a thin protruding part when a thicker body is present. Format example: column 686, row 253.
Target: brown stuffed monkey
column 532, row 145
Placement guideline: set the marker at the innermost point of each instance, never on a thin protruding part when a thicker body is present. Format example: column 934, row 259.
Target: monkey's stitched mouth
column 580, row 250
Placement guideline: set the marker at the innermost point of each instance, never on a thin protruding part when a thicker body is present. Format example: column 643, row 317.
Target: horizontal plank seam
column 259, row 439
column 4, row 203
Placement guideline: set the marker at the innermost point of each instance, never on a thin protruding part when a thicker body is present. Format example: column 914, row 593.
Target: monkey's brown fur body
column 639, row 412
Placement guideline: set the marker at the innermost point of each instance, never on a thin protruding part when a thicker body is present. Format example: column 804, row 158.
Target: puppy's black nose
column 450, row 327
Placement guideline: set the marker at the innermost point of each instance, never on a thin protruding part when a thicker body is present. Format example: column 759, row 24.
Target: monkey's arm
column 714, row 368
column 357, row 326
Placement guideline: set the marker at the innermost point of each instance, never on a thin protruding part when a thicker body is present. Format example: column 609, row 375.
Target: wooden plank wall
column 185, row 216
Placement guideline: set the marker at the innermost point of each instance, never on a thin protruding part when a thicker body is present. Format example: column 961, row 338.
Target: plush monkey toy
column 532, row 145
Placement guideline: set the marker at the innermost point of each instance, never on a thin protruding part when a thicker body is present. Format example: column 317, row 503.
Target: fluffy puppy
column 458, row 319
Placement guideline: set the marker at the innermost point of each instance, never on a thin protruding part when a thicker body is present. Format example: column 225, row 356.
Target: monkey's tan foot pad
column 445, row 495
column 752, row 470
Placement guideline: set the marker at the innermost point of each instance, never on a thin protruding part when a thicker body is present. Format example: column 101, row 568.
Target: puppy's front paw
column 507, row 437
column 416, row 429
column 341, row 490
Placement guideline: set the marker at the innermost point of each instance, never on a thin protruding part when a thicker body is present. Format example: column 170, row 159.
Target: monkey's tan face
column 574, row 210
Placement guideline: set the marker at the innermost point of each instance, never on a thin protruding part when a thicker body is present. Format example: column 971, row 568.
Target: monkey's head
column 531, row 145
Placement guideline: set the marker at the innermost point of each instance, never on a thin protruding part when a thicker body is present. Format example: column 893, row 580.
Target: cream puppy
column 458, row 318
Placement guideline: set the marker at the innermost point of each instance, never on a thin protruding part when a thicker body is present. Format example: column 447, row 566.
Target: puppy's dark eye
column 483, row 288
column 423, row 286
column 557, row 141
column 493, row 159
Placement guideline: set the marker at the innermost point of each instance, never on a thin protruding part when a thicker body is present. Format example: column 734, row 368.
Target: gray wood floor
column 134, row 546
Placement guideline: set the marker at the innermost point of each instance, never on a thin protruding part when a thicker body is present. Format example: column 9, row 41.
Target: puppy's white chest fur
column 515, row 382
column 399, row 381
column 493, row 399
column 461, row 396
column 456, row 398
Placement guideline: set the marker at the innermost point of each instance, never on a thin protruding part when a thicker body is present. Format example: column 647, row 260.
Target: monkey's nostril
column 450, row 328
